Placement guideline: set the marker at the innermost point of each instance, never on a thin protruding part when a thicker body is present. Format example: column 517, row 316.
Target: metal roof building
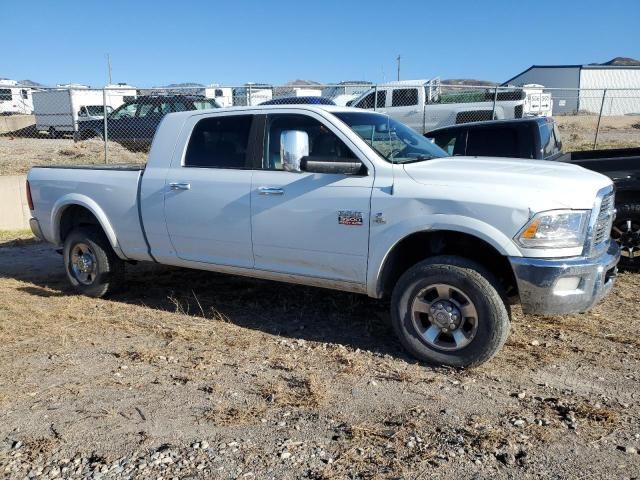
column 577, row 88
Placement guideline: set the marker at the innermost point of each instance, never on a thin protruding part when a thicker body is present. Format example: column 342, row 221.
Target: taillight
column 29, row 199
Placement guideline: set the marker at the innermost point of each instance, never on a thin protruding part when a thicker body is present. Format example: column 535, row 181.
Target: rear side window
column 5, row 94
column 493, row 142
column 404, row 97
column 219, row 142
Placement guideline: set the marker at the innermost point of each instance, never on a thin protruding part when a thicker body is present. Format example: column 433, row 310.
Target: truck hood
column 538, row 184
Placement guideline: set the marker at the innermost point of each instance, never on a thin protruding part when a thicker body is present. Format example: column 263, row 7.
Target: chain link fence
column 79, row 125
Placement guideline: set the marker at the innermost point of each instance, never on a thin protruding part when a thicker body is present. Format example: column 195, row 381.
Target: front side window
column 127, row 110
column 324, row 145
column 451, row 142
column 392, row 140
column 219, row 142
column 25, row 94
column 367, row 101
column 404, row 97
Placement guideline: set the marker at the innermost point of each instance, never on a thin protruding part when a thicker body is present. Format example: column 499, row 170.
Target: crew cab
column 426, row 104
column 344, row 199
column 539, row 138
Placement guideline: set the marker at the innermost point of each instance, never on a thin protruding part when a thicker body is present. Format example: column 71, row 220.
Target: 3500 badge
column 349, row 217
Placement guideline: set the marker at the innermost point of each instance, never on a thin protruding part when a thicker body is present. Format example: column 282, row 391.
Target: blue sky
column 232, row 42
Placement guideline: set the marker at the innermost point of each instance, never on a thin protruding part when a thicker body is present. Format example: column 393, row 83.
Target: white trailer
column 252, row 94
column 15, row 98
column 58, row 111
column 222, row 95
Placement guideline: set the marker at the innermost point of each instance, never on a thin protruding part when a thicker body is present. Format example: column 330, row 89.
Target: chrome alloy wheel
column 83, row 264
column 627, row 234
column 445, row 317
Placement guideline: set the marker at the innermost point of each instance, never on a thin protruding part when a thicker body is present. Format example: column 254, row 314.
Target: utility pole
column 109, row 66
column 398, row 67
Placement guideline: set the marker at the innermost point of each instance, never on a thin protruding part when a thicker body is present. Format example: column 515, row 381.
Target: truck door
column 206, row 198
column 311, row 224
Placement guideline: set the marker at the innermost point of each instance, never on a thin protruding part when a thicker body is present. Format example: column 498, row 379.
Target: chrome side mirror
column 294, row 146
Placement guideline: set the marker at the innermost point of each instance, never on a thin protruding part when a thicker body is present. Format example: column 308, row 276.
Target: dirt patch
column 193, row 374
column 578, row 131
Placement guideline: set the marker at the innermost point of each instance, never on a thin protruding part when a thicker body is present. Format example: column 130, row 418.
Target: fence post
column 105, row 123
column 595, row 140
column 375, row 97
column 495, row 99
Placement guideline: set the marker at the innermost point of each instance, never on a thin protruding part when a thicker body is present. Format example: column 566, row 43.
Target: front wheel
column 626, row 231
column 92, row 266
column 447, row 310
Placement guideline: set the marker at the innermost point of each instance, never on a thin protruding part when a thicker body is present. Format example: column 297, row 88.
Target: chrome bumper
column 565, row 285
column 35, row 228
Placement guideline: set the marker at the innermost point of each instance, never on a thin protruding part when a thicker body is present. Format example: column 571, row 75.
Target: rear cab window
column 220, row 142
column 404, row 97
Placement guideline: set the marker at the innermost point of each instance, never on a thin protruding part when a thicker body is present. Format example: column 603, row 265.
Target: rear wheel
column 626, row 231
column 92, row 266
column 447, row 310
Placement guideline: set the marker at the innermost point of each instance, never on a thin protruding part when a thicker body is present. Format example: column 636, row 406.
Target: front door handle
column 180, row 186
column 270, row 191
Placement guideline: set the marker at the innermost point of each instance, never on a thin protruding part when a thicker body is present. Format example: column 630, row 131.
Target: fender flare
column 73, row 199
column 388, row 240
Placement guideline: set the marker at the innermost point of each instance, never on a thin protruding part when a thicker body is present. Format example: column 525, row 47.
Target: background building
column 619, row 76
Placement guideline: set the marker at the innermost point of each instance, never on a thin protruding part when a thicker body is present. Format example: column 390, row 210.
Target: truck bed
column 112, row 191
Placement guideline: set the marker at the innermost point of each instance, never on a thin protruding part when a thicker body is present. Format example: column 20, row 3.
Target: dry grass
column 13, row 238
column 234, row 415
column 17, row 155
column 294, row 391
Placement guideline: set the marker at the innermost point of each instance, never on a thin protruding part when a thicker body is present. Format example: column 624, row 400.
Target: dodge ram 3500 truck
column 345, row 199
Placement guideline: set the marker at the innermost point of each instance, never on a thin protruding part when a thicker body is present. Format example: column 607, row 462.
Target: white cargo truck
column 58, row 111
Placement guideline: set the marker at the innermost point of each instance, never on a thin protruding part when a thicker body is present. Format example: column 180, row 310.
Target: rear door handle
column 270, row 191
column 180, row 186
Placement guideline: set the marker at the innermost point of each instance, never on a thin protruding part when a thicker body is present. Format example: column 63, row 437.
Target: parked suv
column 134, row 123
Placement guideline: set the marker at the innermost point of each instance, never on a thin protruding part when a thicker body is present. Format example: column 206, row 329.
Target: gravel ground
column 190, row 374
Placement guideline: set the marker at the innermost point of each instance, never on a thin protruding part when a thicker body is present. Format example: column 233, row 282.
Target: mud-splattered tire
column 448, row 310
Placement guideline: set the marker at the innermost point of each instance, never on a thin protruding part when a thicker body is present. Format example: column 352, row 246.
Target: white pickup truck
column 425, row 104
column 346, row 199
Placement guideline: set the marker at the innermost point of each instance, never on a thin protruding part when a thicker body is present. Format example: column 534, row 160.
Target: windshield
column 394, row 141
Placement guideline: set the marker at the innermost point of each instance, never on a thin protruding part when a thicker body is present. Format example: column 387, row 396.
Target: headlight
column 555, row 229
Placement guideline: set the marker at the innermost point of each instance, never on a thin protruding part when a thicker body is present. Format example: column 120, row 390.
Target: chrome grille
column 602, row 227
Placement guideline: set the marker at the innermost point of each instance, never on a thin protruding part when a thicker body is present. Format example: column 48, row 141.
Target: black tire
column 53, row 133
column 472, row 280
column 109, row 269
column 628, row 239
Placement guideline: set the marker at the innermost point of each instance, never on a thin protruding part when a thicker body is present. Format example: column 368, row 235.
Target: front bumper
column 565, row 285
